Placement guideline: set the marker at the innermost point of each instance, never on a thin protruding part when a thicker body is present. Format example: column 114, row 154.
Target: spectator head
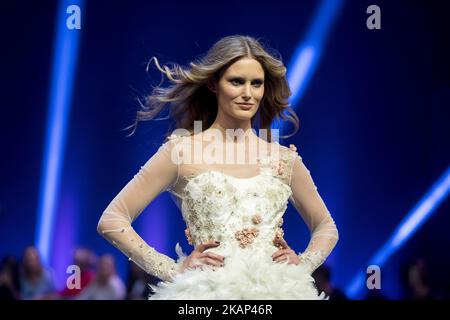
column 85, row 259
column 106, row 268
column 31, row 261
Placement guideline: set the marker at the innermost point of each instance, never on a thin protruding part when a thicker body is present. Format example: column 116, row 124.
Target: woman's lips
column 245, row 106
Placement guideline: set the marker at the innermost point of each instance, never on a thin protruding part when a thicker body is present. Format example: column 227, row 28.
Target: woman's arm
column 307, row 201
column 159, row 173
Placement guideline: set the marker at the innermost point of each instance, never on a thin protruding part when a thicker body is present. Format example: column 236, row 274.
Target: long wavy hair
column 188, row 98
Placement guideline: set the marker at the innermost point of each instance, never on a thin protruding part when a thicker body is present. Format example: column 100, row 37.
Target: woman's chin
column 243, row 114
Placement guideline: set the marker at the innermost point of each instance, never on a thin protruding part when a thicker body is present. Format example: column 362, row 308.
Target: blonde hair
column 189, row 98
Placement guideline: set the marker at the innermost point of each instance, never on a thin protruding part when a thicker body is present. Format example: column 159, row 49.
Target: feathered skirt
column 246, row 275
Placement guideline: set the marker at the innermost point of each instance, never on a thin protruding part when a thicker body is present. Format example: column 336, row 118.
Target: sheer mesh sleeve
column 158, row 174
column 307, row 201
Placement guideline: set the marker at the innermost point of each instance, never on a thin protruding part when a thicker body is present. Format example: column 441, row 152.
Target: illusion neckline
column 261, row 174
column 226, row 175
column 258, row 141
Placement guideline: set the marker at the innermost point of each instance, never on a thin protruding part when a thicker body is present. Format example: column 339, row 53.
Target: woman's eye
column 237, row 82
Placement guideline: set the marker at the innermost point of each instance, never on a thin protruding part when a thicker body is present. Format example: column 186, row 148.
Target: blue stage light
column 60, row 95
column 308, row 53
column 412, row 221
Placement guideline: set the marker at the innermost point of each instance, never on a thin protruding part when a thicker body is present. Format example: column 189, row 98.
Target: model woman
column 232, row 185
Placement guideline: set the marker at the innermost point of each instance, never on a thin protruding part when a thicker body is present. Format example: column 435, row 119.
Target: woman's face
column 240, row 89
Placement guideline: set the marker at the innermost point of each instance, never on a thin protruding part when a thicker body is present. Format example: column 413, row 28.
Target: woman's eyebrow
column 243, row 79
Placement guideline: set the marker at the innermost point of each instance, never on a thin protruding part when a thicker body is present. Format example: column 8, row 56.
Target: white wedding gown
column 240, row 205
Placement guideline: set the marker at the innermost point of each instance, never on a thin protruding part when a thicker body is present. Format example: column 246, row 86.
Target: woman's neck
column 223, row 125
column 234, row 133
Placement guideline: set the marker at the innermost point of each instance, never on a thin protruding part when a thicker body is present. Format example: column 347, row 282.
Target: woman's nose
column 247, row 93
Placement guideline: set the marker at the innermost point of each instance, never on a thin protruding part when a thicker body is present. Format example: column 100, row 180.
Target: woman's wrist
column 312, row 259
